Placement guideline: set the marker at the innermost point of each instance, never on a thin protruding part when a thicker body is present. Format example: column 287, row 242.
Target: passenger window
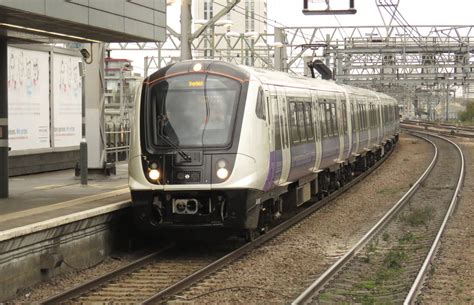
column 260, row 108
column 308, row 115
column 293, row 124
column 334, row 119
column 301, row 120
column 329, row 119
column 344, row 116
column 322, row 110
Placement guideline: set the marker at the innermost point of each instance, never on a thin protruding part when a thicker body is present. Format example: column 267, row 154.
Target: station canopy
column 53, row 21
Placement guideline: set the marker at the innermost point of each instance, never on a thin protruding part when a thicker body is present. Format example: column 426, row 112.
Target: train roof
column 286, row 79
column 271, row 77
column 279, row 78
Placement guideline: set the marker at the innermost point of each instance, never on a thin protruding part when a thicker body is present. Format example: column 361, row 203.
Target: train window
column 295, row 138
column 353, row 118
column 363, row 117
column 193, row 110
column 329, row 130
column 344, row 116
column 317, row 121
column 334, row 119
column 260, row 108
column 371, row 115
column 284, row 123
column 308, row 117
column 277, row 124
column 322, row 111
column 301, row 121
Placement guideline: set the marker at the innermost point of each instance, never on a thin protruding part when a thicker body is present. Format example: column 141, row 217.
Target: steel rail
column 224, row 261
column 94, row 283
column 216, row 265
column 306, row 296
column 411, row 297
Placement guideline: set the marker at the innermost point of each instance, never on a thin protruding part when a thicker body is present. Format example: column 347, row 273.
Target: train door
column 317, row 129
column 282, row 155
column 273, row 163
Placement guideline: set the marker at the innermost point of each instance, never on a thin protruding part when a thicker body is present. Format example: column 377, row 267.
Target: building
column 249, row 16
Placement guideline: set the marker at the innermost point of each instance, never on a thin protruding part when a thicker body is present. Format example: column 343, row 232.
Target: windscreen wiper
column 183, row 155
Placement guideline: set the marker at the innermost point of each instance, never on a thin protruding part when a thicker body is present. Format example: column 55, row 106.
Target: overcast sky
column 288, row 13
column 417, row 12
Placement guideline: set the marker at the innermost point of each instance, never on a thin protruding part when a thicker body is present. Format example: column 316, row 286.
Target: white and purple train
column 221, row 146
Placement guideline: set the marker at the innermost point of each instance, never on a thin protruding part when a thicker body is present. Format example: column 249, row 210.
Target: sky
column 288, row 13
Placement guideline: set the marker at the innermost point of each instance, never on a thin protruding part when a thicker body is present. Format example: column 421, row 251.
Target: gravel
column 278, row 271
column 68, row 280
column 451, row 278
column 281, row 269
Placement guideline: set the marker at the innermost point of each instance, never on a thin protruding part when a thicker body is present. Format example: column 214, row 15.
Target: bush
column 467, row 115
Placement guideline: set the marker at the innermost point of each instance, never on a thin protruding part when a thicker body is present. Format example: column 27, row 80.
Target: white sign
column 28, row 99
column 67, row 101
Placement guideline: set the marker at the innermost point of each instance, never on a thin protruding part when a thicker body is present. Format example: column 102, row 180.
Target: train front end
column 185, row 148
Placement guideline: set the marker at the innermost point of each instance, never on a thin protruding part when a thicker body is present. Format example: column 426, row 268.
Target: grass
column 407, row 238
column 392, row 265
column 394, row 259
column 364, row 299
column 369, row 251
column 368, row 285
column 418, row 217
column 385, row 236
column 388, row 191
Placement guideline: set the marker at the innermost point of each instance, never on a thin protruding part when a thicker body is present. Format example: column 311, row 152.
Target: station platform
column 50, row 218
column 40, row 201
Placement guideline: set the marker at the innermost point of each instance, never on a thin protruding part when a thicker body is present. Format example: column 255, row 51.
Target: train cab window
column 193, row 110
column 301, row 121
column 260, row 108
column 295, row 138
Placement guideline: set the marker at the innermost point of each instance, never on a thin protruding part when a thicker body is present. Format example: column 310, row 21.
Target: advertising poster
column 67, row 88
column 28, row 99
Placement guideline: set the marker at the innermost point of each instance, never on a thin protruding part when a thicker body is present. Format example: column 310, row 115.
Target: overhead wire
column 264, row 20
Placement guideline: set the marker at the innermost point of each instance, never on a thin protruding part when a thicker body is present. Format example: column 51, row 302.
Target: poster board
column 28, row 99
column 67, row 100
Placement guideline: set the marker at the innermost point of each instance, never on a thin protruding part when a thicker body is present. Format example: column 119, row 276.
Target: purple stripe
column 274, row 169
column 330, row 151
column 302, row 158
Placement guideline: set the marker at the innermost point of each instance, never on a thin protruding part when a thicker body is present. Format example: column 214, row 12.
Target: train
column 229, row 147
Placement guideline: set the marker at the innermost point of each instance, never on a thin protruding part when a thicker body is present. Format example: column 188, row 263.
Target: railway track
column 163, row 274
column 441, row 128
column 389, row 263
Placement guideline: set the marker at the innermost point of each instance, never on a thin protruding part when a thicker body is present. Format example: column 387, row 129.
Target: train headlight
column 222, row 172
column 154, row 174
